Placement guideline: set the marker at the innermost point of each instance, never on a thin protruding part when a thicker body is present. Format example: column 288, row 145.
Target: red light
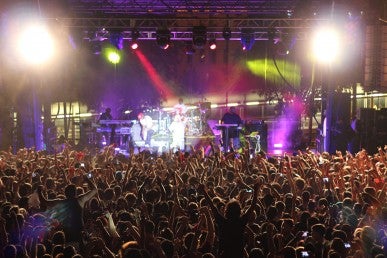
column 134, row 45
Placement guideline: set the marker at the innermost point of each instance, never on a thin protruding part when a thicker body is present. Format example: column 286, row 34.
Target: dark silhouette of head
column 233, row 210
column 71, row 191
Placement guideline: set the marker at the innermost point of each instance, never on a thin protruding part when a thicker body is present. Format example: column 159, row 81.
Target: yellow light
column 114, row 57
column 266, row 68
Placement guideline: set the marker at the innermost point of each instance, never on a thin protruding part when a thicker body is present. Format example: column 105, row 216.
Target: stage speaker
column 342, row 107
column 381, row 120
column 381, row 128
column 367, row 119
column 368, row 133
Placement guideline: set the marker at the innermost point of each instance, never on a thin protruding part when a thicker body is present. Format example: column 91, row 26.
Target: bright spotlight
column 35, row 45
column 134, row 45
column 114, row 57
column 326, row 45
column 212, row 44
column 247, row 39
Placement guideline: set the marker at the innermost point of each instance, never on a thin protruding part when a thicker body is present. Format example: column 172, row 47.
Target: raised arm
column 43, row 200
column 253, row 201
column 82, row 199
column 210, row 237
column 203, row 191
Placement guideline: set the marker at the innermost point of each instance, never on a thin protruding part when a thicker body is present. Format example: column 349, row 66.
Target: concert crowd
column 195, row 204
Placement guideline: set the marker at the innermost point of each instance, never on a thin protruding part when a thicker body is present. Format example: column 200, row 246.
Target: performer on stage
column 108, row 116
column 231, row 117
column 146, row 123
column 180, row 108
column 178, row 124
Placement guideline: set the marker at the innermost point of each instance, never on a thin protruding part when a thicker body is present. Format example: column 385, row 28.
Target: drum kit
column 195, row 119
column 129, row 129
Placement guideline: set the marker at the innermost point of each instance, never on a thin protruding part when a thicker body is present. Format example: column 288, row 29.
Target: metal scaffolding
column 274, row 8
column 181, row 28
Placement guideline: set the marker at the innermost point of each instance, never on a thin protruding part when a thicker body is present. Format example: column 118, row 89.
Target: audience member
column 192, row 204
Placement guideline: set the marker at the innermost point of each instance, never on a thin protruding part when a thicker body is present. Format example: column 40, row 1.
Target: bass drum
column 192, row 128
column 163, row 126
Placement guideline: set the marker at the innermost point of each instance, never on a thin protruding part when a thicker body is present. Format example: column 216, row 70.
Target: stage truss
column 181, row 27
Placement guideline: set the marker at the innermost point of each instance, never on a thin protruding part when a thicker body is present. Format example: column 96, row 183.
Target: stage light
column 226, row 33
column 135, row 35
column 326, row 45
column 163, row 38
column 271, row 36
column 114, row 57
column 134, row 45
column 247, row 39
column 96, row 47
column 212, row 44
column 189, row 49
column 35, row 44
column 199, row 36
column 117, row 39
